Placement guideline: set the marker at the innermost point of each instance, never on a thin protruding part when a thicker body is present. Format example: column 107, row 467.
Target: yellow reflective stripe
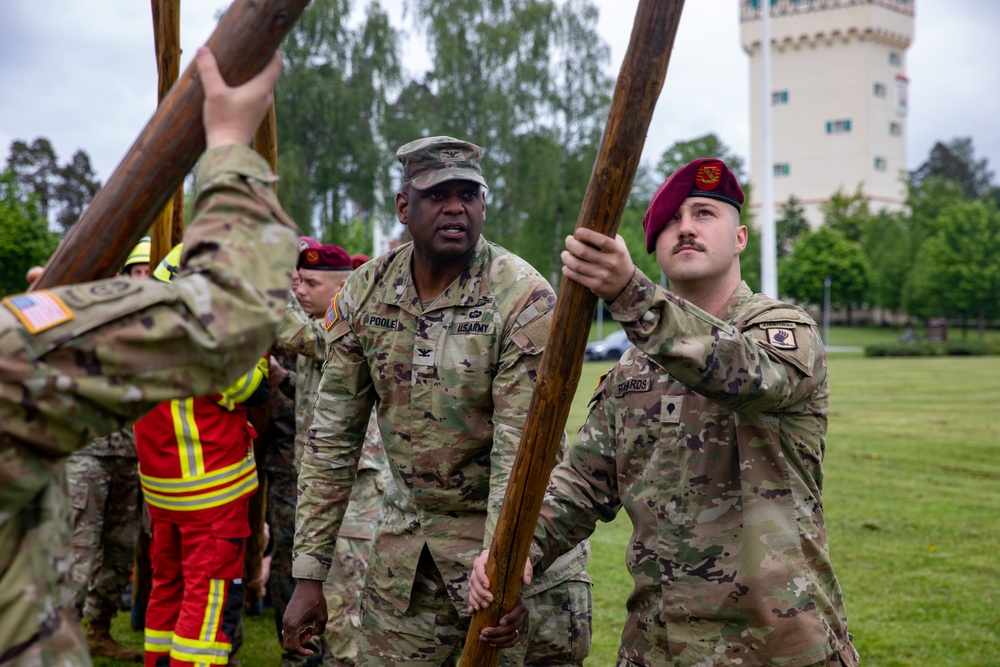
column 204, row 500
column 188, row 438
column 197, row 482
column 157, row 641
column 245, row 386
column 213, row 609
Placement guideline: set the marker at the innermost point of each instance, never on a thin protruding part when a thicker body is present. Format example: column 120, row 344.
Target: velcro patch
column 783, row 338
column 472, row 328
column 381, row 322
column 38, row 311
column 670, row 409
column 631, row 385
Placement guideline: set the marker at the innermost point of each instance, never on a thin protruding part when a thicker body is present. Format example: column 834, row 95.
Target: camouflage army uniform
column 710, row 434
column 451, row 381
column 130, row 345
column 104, row 499
column 342, row 588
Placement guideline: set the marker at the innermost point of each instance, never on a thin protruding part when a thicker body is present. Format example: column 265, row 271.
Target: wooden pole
column 639, row 83
column 156, row 164
column 166, row 232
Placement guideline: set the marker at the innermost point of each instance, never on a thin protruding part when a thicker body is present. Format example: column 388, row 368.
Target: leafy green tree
column 887, row 246
column 959, row 267
column 819, row 254
column 956, row 162
column 331, row 105
column 790, row 225
column 847, row 214
column 76, row 184
column 708, row 145
column 25, row 240
column 35, row 167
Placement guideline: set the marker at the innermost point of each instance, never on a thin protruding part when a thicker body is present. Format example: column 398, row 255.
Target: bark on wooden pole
column 639, row 83
column 152, row 170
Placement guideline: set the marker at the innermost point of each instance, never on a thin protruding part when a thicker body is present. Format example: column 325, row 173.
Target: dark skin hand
column 305, row 616
column 511, row 628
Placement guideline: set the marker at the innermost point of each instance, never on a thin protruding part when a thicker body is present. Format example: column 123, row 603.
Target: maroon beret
column 704, row 177
column 308, row 242
column 325, row 258
column 359, row 259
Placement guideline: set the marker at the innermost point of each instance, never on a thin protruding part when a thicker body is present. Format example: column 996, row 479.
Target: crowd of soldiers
column 398, row 389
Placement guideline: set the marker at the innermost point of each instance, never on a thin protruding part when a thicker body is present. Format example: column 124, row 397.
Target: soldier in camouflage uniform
column 103, row 480
column 442, row 337
column 82, row 360
column 710, row 433
column 322, row 272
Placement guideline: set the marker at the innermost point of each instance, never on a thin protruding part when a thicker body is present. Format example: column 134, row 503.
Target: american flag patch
column 38, row 311
column 332, row 314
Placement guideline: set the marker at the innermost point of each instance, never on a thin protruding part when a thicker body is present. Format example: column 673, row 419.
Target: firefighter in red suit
column 197, row 470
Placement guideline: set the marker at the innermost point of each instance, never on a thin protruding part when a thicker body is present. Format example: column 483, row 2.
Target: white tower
column 838, row 96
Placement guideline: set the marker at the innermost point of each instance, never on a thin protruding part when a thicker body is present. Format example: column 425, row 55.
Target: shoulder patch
column 39, row 310
column 332, row 313
column 782, row 337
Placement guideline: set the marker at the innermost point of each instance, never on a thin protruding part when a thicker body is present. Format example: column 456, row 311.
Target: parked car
column 611, row 347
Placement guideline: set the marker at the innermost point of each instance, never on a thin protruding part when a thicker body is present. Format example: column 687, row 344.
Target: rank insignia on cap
column 709, row 176
column 783, row 339
column 312, row 256
column 38, row 311
column 332, row 313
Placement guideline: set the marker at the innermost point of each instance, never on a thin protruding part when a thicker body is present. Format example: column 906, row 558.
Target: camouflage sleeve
column 736, row 368
column 300, row 334
column 333, row 450
column 512, row 388
column 583, row 488
column 132, row 344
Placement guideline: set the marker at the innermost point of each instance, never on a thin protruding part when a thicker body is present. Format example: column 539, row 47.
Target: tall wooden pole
column 639, row 83
column 166, row 232
column 156, row 165
column 168, row 228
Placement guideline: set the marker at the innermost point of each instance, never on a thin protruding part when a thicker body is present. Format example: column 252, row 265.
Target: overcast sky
column 82, row 73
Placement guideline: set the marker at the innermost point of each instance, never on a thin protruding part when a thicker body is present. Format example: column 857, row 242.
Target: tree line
column 526, row 79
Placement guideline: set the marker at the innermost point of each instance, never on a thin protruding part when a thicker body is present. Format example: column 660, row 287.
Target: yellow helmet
column 168, row 266
column 139, row 254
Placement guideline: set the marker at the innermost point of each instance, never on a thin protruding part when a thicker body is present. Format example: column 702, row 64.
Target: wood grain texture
column 636, row 92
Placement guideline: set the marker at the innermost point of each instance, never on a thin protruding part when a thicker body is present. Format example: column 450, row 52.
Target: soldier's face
column 445, row 221
column 701, row 243
column 317, row 288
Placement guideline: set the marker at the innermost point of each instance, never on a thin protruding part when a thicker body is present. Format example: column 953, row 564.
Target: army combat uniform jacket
column 451, row 381
column 710, row 434
column 80, row 361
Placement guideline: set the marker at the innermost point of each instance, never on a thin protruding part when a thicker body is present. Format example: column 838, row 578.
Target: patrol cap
column 704, row 177
column 169, row 265
column 139, row 254
column 325, row 258
column 433, row 160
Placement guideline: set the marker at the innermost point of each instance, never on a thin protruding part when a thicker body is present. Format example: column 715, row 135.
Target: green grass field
column 912, row 499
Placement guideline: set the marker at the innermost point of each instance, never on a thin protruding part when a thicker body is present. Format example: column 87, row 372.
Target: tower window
column 895, row 58
column 895, row 129
column 779, row 97
column 838, row 126
column 781, row 169
column 879, row 89
column 880, row 164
